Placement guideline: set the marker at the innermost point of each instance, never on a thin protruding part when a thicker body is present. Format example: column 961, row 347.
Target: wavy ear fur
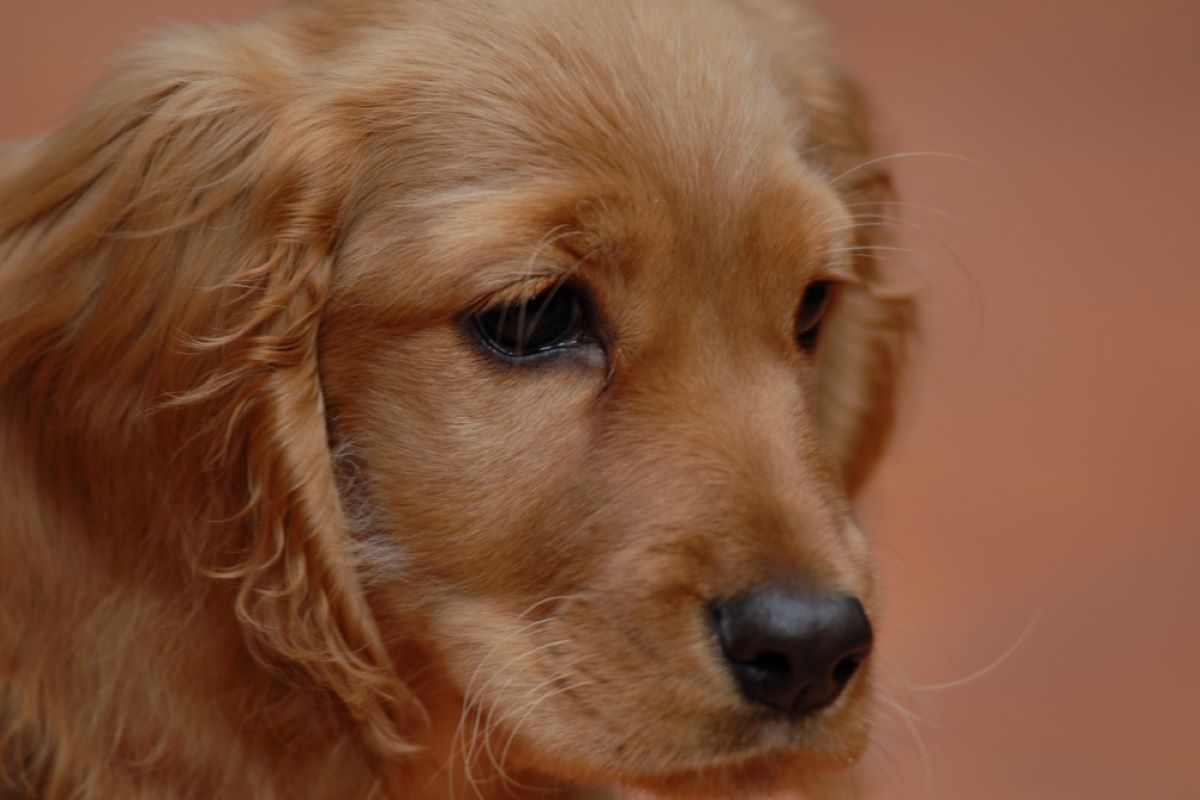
column 164, row 261
column 866, row 337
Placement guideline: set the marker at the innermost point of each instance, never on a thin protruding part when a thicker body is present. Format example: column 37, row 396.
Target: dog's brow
column 499, row 286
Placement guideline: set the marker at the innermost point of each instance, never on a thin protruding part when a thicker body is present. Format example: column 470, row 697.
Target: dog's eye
column 552, row 320
column 808, row 317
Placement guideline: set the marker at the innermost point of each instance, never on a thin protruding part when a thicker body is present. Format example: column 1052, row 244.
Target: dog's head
column 534, row 352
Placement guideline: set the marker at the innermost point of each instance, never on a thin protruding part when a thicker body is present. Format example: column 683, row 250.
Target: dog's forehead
column 651, row 115
column 485, row 89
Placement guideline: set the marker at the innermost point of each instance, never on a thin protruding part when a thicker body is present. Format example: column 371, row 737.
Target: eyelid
column 520, row 291
column 837, row 274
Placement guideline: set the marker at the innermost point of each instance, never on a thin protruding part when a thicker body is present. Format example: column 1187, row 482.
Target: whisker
column 902, row 204
column 458, row 745
column 909, row 720
column 887, row 766
column 512, row 677
column 517, row 632
column 870, row 248
column 472, row 697
column 977, row 292
column 898, row 156
column 554, row 693
column 495, row 722
column 992, row 667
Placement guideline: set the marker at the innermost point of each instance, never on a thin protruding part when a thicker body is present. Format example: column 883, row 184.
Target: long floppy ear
column 164, row 262
column 865, row 339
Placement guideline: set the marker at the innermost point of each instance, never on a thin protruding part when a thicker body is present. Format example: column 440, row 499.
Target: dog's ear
column 865, row 339
column 164, row 262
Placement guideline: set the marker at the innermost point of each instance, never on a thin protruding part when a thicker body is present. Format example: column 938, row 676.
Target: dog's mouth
column 749, row 771
column 742, row 704
column 750, row 751
column 753, row 772
column 762, row 764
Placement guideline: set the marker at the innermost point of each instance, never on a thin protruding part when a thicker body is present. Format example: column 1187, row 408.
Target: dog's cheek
column 463, row 459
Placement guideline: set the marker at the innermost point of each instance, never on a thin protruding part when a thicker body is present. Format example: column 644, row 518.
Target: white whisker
column 897, row 156
column 992, row 667
column 906, row 204
column 909, row 720
column 546, row 696
column 512, row 677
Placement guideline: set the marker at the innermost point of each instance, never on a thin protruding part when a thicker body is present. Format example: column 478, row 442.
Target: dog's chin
column 761, row 775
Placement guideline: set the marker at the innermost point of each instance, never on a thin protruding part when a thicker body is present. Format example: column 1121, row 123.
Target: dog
column 445, row 398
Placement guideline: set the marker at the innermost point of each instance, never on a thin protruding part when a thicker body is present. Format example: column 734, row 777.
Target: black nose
column 792, row 650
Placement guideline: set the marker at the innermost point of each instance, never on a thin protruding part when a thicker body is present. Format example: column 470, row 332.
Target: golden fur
column 268, row 516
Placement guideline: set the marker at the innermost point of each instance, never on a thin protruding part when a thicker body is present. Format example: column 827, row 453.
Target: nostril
column 769, row 664
column 844, row 670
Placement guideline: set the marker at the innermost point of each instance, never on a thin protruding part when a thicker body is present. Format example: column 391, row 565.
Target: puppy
column 444, row 398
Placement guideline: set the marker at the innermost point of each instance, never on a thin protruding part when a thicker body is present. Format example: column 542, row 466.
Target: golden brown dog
column 443, row 398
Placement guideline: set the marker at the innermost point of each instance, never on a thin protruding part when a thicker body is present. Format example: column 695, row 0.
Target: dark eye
column 808, row 317
column 552, row 320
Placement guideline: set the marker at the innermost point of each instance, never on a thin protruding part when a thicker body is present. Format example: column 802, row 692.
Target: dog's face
column 515, row 358
column 574, row 352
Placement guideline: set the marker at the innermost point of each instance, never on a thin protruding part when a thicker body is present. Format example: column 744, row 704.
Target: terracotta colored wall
column 1047, row 480
column 1039, row 519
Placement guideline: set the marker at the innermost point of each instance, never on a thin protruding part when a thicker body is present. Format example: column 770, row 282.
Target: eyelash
column 814, row 304
column 556, row 319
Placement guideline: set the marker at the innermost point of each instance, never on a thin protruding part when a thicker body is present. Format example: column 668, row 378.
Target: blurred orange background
column 1038, row 520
